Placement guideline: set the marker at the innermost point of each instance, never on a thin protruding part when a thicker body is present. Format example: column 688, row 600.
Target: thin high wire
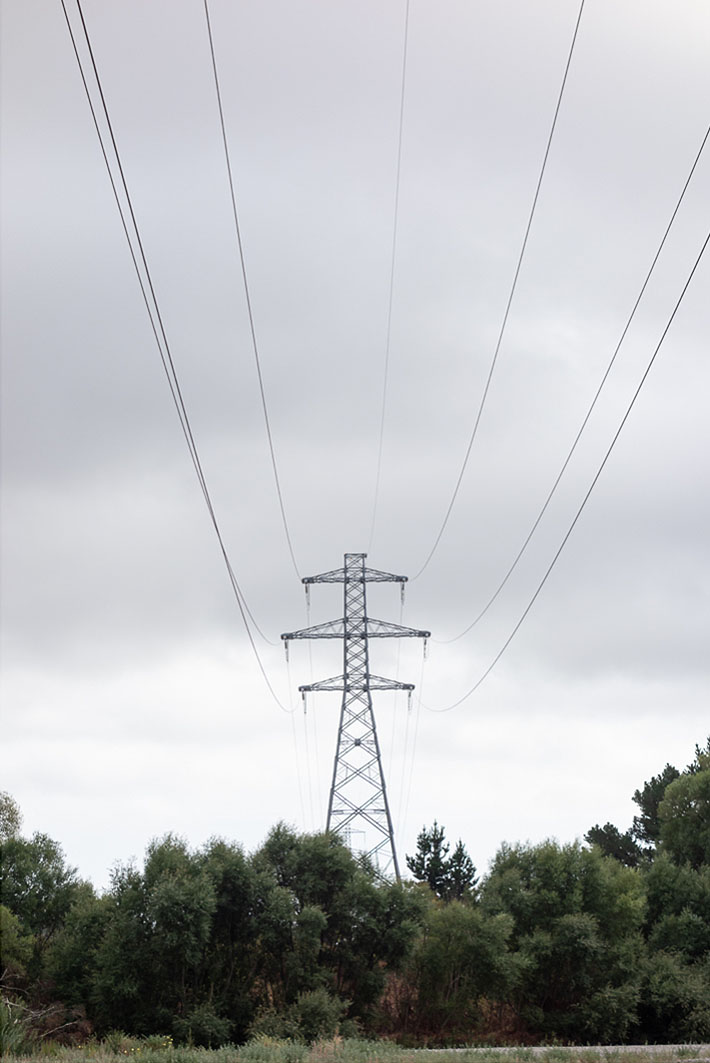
column 319, row 785
column 292, row 707
column 552, row 564
column 309, row 772
column 397, row 692
column 393, row 259
column 414, row 744
column 403, row 773
column 319, row 790
column 164, row 348
column 408, row 720
column 298, row 773
column 508, row 304
column 252, row 327
column 577, row 438
column 159, row 329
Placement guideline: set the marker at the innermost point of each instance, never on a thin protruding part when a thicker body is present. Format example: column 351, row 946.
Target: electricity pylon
column 358, row 795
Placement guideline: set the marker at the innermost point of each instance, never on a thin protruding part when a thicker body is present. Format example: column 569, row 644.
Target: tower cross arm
column 382, row 629
column 375, row 629
column 332, row 629
column 363, row 575
column 339, row 682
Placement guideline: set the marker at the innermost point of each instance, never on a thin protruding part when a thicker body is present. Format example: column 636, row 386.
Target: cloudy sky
column 133, row 704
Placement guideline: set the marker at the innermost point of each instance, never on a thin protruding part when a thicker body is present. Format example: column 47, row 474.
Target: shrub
column 16, row 1037
column 203, row 1027
column 313, row 1016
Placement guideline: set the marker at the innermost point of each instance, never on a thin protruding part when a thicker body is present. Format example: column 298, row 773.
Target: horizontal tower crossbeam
column 373, row 682
column 364, row 627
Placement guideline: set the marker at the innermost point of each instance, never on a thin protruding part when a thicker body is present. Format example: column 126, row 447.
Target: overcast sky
column 132, row 702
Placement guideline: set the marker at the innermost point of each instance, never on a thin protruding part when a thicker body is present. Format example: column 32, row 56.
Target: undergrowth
column 117, row 1047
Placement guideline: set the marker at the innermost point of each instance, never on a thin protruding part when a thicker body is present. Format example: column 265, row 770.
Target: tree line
column 603, row 941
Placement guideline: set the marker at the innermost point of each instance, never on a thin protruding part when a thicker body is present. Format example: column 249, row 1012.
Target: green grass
column 118, row 1049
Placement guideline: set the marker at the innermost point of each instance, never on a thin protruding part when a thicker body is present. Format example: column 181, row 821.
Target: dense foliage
column 607, row 941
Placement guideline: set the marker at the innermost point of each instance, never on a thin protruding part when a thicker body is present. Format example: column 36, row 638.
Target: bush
column 315, row 1015
column 675, row 1005
column 16, row 1037
column 203, row 1027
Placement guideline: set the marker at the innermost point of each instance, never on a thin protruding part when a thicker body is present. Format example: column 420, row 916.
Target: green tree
column 429, row 863
column 180, row 902
column 675, row 991
column 10, row 817
column 577, row 917
column 461, row 957
column 122, row 995
column 73, row 952
column 151, row 961
column 38, row 887
column 347, row 929
column 15, row 948
column 460, row 881
column 684, row 815
column 450, row 878
column 678, row 907
column 612, row 842
column 646, row 826
column 701, row 753
column 640, row 843
column 674, row 1003
column 231, row 956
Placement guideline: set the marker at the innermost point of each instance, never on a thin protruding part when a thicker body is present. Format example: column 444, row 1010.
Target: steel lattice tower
column 358, row 795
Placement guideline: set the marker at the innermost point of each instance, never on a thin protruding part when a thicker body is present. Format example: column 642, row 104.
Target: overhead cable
column 252, row 327
column 158, row 329
column 296, row 754
column 393, row 259
column 154, row 311
column 406, row 792
column 507, row 307
column 588, row 414
column 562, row 545
column 298, row 774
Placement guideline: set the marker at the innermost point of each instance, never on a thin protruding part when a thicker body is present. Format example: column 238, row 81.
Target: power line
column 508, row 305
column 297, row 757
column 393, row 259
column 164, row 348
column 305, row 706
column 174, row 389
column 562, row 545
column 393, row 733
column 591, row 408
column 159, row 329
column 242, row 261
column 405, row 815
column 298, row 773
